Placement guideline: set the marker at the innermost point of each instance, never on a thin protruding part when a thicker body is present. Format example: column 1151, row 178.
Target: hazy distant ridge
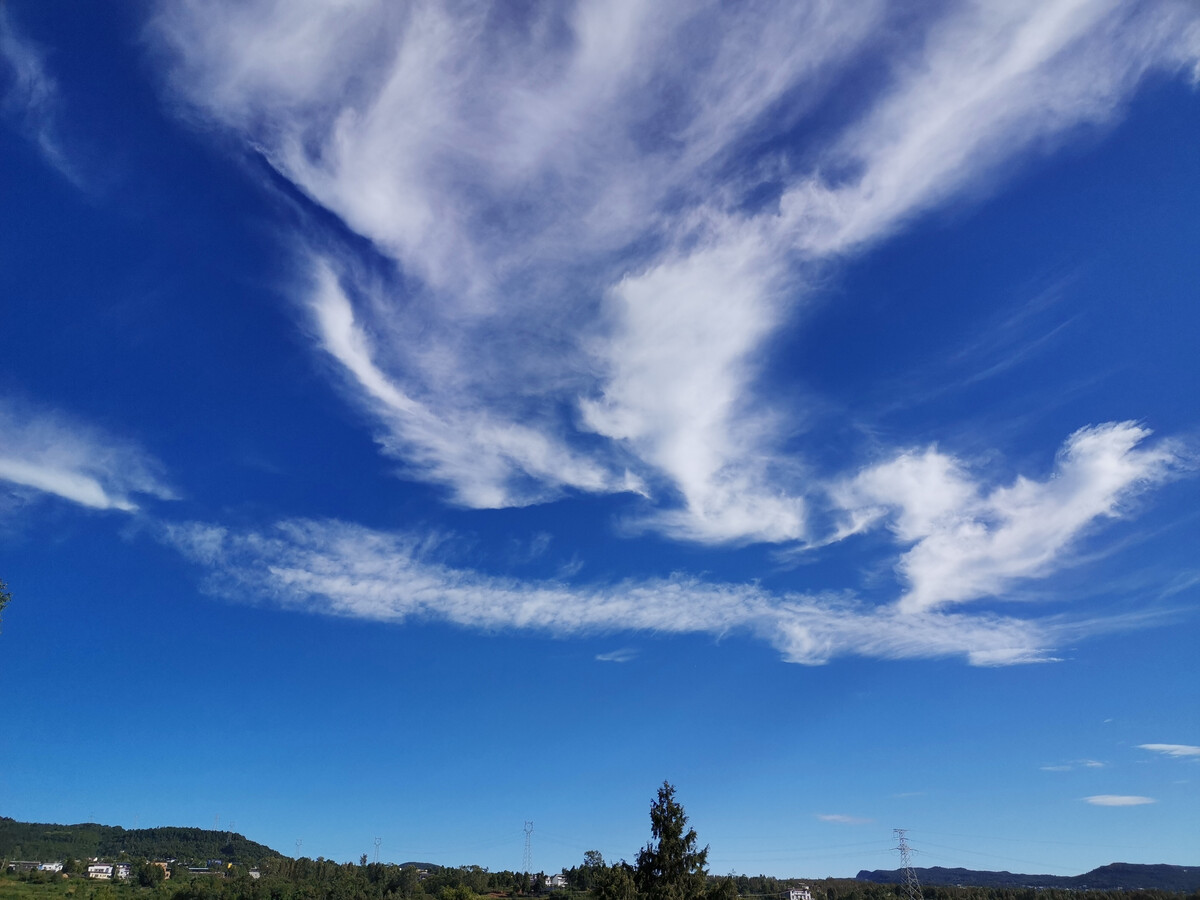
column 1113, row 877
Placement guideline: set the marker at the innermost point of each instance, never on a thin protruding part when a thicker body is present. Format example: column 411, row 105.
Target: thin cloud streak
column 623, row 655
column 1118, row 800
column 839, row 819
column 586, row 291
column 55, row 454
column 31, row 99
column 1067, row 767
column 1185, row 751
column 339, row 569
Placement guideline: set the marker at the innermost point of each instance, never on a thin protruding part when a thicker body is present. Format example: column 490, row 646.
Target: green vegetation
column 670, row 867
column 307, row 879
column 191, row 846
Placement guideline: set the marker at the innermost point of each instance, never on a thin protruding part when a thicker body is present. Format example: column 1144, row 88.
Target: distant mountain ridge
column 47, row 842
column 1113, row 877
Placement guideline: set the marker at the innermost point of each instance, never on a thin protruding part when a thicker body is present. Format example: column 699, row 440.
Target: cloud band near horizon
column 338, row 569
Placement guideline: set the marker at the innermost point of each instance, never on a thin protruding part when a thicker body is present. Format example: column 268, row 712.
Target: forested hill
column 38, row 841
column 1114, row 877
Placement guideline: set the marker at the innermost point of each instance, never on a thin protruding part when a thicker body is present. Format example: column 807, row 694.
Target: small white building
column 800, row 893
column 556, row 881
column 50, row 867
column 121, row 870
column 102, row 871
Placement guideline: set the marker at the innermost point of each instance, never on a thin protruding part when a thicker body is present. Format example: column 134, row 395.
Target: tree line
column 671, row 866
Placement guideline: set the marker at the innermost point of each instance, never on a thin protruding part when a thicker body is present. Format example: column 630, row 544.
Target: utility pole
column 911, row 885
column 528, row 847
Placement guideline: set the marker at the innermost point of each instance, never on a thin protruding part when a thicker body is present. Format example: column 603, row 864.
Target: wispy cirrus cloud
column 29, row 94
column 840, row 819
column 588, row 274
column 51, row 453
column 1180, row 751
column 1079, row 763
column 339, row 569
column 485, row 460
column 989, row 82
column 1118, row 800
column 625, row 654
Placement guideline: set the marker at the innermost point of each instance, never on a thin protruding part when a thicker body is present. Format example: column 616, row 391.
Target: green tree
column 614, row 883
column 148, row 874
column 670, row 867
column 583, row 877
column 724, row 889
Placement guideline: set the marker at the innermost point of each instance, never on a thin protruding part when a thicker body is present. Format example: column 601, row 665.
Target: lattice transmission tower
column 528, row 862
column 911, row 884
column 378, row 841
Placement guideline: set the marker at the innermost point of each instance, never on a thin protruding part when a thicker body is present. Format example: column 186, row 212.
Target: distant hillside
column 1114, row 877
column 39, row 841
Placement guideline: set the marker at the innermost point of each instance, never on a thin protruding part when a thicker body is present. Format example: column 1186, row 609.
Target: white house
column 102, row 871
column 50, row 867
column 800, row 893
column 121, row 870
column 556, row 881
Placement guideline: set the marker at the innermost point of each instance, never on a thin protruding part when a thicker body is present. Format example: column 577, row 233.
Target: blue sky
column 417, row 420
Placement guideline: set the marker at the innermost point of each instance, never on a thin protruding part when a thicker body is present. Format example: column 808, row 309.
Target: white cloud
column 55, row 454
column 585, row 290
column 583, row 284
column 340, row 569
column 1118, row 800
column 845, row 820
column 968, row 543
column 676, row 372
column 1177, row 750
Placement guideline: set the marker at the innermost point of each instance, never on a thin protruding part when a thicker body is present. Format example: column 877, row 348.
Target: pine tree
column 670, row 867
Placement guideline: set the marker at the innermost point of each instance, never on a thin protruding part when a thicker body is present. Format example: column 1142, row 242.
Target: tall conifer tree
column 670, row 867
